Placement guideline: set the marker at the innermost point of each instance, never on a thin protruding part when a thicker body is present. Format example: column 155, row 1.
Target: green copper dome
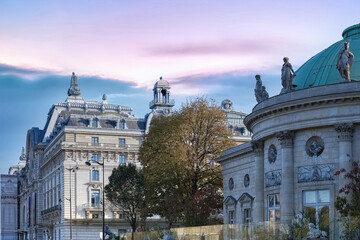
column 321, row 68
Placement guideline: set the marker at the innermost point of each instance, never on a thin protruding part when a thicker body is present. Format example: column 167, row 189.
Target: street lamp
column 103, row 194
column 73, row 169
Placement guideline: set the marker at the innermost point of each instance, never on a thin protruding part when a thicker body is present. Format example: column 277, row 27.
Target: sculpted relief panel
column 273, row 178
column 313, row 173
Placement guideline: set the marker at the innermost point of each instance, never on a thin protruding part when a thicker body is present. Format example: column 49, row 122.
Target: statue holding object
column 287, row 76
column 344, row 62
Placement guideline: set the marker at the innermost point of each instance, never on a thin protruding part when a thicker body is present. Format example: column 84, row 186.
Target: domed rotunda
column 300, row 139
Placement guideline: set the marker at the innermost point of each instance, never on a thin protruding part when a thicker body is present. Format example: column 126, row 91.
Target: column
column 258, row 149
column 287, row 173
column 345, row 131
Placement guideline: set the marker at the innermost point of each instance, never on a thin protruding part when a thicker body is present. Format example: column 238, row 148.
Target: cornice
column 298, row 100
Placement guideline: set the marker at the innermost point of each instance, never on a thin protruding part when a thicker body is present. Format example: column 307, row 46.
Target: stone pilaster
column 258, row 149
column 345, row 131
column 287, row 171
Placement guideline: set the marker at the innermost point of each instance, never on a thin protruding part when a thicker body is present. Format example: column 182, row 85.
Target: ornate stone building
column 299, row 140
column 59, row 195
column 8, row 206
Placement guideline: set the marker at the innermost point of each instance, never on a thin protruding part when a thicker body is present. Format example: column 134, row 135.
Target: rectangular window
column 95, row 158
column 231, row 217
column 122, row 159
column 121, row 141
column 274, row 212
column 316, row 208
column 95, row 175
column 95, row 141
column 247, row 216
column 95, row 198
column 95, row 215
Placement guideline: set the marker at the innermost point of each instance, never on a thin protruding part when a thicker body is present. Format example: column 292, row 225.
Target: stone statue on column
column 287, row 76
column 260, row 91
column 344, row 62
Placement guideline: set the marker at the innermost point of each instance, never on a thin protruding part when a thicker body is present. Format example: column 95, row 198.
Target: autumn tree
column 126, row 190
column 348, row 202
column 178, row 158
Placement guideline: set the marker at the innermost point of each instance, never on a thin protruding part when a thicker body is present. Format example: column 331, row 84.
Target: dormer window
column 95, row 123
column 122, row 124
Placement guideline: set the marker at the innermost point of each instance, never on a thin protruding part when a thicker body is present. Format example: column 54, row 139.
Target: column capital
column 286, row 138
column 345, row 131
column 258, row 147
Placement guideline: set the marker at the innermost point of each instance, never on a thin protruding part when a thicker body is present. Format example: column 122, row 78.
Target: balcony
column 171, row 103
column 54, row 209
column 93, row 206
column 89, row 145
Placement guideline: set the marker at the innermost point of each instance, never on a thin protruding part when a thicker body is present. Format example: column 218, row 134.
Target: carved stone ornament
column 231, row 183
column 313, row 173
column 257, row 146
column 345, row 131
column 272, row 153
column 314, row 146
column 273, row 178
column 227, row 105
column 246, row 180
column 286, row 138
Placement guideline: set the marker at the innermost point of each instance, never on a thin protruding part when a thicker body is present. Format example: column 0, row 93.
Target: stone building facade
column 8, row 206
column 59, row 194
column 300, row 139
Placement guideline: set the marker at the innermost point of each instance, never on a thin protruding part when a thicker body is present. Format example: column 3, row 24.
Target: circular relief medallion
column 272, row 153
column 246, row 180
column 314, row 146
column 231, row 184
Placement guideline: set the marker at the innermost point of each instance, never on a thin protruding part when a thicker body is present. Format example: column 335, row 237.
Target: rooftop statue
column 74, row 90
column 227, row 105
column 260, row 91
column 287, row 76
column 344, row 62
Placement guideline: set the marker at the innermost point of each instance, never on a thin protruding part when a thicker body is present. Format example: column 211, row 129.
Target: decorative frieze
column 315, row 173
column 273, row 178
column 345, row 131
column 286, row 138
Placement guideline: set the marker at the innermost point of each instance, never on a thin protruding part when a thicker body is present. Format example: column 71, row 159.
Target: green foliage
column 348, row 204
column 178, row 157
column 126, row 190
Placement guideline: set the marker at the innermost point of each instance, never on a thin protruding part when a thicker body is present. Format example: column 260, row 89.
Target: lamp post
column 73, row 169
column 103, row 194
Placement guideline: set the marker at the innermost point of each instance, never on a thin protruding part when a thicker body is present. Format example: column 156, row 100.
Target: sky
column 121, row 48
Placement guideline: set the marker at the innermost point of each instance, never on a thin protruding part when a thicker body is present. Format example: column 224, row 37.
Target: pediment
column 245, row 197
column 230, row 200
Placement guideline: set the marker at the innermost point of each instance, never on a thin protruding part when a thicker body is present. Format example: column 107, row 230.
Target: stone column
column 287, row 174
column 345, row 131
column 258, row 148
